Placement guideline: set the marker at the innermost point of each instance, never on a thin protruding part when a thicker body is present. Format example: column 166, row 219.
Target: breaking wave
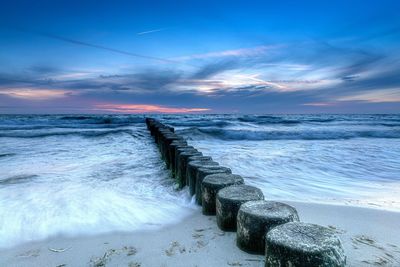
column 89, row 133
column 231, row 134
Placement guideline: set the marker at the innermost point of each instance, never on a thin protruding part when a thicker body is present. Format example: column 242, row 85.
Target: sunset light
column 140, row 108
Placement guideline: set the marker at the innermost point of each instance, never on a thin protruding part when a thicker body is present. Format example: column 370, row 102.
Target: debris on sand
column 134, row 264
column 202, row 229
column 235, row 263
column 59, row 249
column 196, row 236
column 365, row 240
column 130, row 251
column 175, row 246
column 101, row 261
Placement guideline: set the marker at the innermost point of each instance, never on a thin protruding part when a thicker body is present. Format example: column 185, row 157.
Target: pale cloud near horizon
column 143, row 108
column 35, row 94
column 375, row 96
column 318, row 104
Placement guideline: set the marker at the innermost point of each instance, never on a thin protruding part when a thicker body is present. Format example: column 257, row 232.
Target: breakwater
column 262, row 226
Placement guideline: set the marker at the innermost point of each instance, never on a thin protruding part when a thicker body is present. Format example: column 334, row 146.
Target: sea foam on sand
column 370, row 238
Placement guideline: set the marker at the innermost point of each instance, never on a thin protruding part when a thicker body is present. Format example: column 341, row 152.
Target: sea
column 67, row 175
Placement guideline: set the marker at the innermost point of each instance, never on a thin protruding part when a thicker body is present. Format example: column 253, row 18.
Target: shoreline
column 369, row 237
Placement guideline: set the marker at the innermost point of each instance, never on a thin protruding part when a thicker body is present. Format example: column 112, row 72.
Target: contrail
column 77, row 42
column 151, row 31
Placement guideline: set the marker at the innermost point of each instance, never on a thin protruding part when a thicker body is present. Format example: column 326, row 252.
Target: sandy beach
column 370, row 238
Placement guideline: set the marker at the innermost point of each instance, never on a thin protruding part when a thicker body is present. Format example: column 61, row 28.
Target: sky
column 199, row 56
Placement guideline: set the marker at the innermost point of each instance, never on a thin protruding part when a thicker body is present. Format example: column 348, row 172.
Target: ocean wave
column 320, row 120
column 285, row 120
column 7, row 155
column 17, row 179
column 267, row 120
column 229, row 134
column 61, row 126
column 105, row 119
column 379, row 120
column 15, row 122
column 76, row 117
column 202, row 123
column 389, row 124
column 28, row 134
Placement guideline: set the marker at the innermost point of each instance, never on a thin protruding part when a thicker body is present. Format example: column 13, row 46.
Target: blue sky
column 199, row 56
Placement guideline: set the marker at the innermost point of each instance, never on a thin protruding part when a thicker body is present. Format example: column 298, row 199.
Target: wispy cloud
column 142, row 108
column 150, row 31
column 34, row 94
column 376, row 96
column 242, row 52
column 318, row 104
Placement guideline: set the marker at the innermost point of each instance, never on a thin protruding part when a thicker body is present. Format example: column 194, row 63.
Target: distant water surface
column 92, row 174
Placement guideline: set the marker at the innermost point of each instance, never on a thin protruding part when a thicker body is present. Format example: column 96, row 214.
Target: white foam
column 357, row 172
column 78, row 185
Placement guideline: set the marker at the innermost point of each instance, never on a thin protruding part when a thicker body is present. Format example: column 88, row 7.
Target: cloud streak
column 377, row 96
column 241, row 52
column 143, row 108
column 34, row 94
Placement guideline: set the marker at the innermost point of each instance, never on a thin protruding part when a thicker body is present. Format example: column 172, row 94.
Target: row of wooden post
column 263, row 227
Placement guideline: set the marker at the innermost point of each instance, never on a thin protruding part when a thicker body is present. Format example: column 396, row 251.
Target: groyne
column 263, row 227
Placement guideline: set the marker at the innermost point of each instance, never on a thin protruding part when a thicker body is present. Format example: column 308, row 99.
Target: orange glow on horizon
column 143, row 108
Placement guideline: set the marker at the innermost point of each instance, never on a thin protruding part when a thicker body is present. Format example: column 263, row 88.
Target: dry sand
column 370, row 237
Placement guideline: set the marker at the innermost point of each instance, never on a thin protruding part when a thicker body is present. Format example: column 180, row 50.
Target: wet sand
column 370, row 238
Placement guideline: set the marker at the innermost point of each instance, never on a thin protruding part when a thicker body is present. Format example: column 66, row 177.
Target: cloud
column 143, row 108
column 34, row 94
column 318, row 104
column 376, row 96
column 241, row 52
column 308, row 75
column 212, row 69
